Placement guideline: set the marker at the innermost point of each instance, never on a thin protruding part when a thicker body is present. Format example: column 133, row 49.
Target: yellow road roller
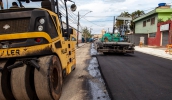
column 36, row 50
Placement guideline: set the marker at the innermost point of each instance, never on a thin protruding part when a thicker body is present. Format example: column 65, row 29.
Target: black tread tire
column 6, row 81
column 2, row 97
column 48, row 80
column 23, row 76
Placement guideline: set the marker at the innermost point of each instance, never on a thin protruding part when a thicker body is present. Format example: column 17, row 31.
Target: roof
column 145, row 15
column 155, row 11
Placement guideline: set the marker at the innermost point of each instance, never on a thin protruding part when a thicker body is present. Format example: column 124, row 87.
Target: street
column 86, row 50
column 137, row 77
column 84, row 83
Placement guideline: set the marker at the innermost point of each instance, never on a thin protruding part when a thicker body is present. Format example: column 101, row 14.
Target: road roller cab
column 36, row 52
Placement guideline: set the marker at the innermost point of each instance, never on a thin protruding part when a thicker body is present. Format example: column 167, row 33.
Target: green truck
column 115, row 43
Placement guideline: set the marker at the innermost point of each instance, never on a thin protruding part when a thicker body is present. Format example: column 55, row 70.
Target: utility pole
column 78, row 29
column 78, row 25
column 7, row 4
column 90, row 30
column 114, row 25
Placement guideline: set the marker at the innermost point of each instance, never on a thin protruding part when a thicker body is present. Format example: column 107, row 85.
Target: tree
column 135, row 15
column 124, row 14
column 86, row 33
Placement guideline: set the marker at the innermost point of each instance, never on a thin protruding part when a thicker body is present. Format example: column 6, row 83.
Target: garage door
column 165, row 38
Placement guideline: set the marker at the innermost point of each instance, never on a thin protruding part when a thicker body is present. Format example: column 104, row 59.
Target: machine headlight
column 40, row 28
column 42, row 21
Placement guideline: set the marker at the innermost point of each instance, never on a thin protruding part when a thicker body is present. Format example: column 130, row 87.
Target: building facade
column 148, row 24
column 163, row 34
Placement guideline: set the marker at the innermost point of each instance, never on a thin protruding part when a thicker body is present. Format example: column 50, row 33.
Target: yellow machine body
column 64, row 49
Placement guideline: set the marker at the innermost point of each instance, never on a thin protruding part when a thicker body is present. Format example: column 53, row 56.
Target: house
column 98, row 36
column 147, row 25
column 163, row 34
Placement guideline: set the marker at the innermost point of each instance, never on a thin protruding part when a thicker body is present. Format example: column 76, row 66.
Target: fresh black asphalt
column 137, row 76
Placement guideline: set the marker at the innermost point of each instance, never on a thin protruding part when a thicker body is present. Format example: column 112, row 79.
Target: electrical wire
column 70, row 15
column 69, row 18
column 102, row 21
column 99, row 16
column 92, row 22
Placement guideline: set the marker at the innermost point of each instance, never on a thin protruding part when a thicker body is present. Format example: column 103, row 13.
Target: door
column 165, row 36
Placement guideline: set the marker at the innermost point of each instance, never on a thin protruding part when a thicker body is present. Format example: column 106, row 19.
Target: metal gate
column 170, row 37
column 165, row 36
column 135, row 38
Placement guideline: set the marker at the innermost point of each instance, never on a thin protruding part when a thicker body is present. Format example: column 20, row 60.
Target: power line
column 62, row 10
column 101, row 21
column 99, row 16
column 93, row 23
column 70, row 14
column 169, row 3
column 64, row 15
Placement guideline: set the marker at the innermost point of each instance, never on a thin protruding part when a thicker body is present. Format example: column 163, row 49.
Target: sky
column 103, row 11
column 98, row 15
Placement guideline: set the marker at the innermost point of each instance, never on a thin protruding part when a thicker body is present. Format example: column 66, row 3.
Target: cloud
column 103, row 11
column 113, row 1
column 112, row 8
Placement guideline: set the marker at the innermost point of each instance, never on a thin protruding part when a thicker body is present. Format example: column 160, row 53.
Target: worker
column 14, row 5
column 1, row 5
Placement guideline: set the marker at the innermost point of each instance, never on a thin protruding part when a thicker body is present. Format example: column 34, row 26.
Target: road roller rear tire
column 22, row 83
column 6, row 80
column 2, row 97
column 48, row 80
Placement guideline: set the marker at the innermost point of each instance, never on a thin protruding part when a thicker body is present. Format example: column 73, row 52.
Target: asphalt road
column 75, row 85
column 137, row 77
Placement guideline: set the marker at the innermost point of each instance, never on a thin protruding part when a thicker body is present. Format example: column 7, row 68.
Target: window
column 152, row 34
column 152, row 21
column 73, row 39
column 144, row 23
column 54, row 18
column 148, row 20
column 51, row 28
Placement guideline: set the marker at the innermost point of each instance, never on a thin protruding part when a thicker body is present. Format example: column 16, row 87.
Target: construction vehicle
column 115, row 43
column 36, row 52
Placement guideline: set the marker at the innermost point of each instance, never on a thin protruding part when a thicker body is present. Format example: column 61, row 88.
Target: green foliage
column 133, row 15
column 160, row 20
column 86, row 33
column 124, row 14
column 137, row 14
column 132, row 25
column 168, row 19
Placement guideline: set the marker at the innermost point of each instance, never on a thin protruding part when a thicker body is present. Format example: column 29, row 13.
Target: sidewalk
column 80, row 45
column 160, row 52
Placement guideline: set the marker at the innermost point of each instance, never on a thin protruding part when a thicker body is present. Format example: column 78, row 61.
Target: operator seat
column 46, row 4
